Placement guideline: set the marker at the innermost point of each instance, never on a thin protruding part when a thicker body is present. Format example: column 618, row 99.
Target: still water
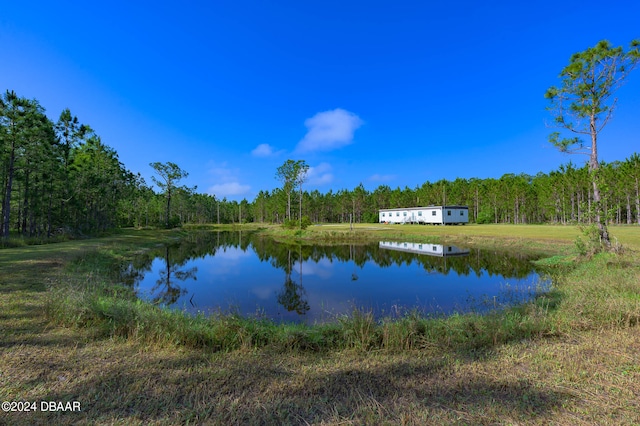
column 253, row 275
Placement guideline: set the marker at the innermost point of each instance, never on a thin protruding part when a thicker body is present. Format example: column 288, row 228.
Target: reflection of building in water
column 424, row 248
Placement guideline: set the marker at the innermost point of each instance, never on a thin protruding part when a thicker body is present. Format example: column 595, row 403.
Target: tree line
column 60, row 178
column 563, row 196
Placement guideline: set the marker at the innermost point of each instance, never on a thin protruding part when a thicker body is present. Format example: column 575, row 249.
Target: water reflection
column 250, row 273
column 292, row 296
column 167, row 291
column 424, row 248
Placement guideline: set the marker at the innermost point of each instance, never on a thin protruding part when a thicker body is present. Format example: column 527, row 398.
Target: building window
column 404, row 213
column 435, row 248
column 420, row 213
column 461, row 212
column 448, row 212
column 397, row 213
column 433, row 213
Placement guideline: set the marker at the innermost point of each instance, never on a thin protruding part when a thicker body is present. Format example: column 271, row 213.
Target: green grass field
column 571, row 357
column 542, row 234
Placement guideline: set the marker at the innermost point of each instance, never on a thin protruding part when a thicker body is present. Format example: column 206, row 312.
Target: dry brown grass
column 589, row 378
column 582, row 377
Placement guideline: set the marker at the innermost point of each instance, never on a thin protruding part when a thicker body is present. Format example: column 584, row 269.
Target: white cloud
column 228, row 189
column 322, row 268
column 228, row 183
column 329, row 130
column 263, row 150
column 221, row 172
column 322, row 180
column 320, row 174
column 231, row 254
column 381, row 178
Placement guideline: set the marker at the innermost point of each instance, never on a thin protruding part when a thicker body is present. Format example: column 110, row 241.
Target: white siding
column 431, row 215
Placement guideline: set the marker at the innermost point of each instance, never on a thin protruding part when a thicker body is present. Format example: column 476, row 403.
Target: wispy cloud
column 324, row 268
column 381, row 178
column 264, row 150
column 228, row 189
column 228, row 182
column 320, row 174
column 329, row 130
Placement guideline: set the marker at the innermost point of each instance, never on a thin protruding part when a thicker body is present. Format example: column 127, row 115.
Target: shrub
column 305, row 222
column 290, row 224
column 297, row 223
column 485, row 216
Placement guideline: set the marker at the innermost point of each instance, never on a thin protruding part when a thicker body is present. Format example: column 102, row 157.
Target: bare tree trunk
column 637, row 202
column 602, row 228
column 6, row 206
column 573, row 205
column 50, row 209
column 26, row 211
column 593, row 167
column 590, row 198
column 580, row 197
column 168, row 207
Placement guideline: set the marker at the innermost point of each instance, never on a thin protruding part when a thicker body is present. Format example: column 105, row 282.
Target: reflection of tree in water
column 292, row 297
column 168, row 292
column 354, row 275
column 283, row 256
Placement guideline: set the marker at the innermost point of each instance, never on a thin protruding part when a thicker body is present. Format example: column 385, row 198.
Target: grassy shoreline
column 571, row 357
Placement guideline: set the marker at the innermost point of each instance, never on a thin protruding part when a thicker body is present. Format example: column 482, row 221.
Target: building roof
column 426, row 208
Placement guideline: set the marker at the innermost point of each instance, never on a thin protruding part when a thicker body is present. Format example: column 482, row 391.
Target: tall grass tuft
column 602, row 293
column 360, row 330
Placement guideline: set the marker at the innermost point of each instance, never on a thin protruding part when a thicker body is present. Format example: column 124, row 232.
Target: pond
column 253, row 275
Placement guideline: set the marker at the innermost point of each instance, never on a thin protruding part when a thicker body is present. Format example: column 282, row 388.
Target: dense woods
column 563, row 196
column 60, row 178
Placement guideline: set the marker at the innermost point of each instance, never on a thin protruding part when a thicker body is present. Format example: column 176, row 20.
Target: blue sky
column 371, row 92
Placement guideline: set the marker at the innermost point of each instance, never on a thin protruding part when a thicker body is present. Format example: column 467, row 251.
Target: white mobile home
column 437, row 215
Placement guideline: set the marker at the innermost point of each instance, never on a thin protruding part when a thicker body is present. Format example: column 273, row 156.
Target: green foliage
column 169, row 173
column 305, row 222
column 590, row 242
column 360, row 330
column 292, row 174
column 485, row 216
column 174, row 222
column 580, row 246
column 290, row 224
column 588, row 82
column 370, row 217
column 582, row 106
